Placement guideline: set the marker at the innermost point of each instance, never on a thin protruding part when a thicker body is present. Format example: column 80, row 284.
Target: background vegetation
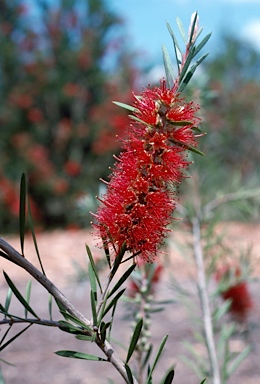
column 60, row 69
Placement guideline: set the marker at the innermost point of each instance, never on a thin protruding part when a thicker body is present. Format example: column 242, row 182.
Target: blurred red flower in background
column 236, row 289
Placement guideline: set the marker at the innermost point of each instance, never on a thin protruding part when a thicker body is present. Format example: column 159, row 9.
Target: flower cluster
column 138, row 204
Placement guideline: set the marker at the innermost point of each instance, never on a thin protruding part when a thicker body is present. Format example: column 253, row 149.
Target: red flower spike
column 237, row 291
column 138, row 205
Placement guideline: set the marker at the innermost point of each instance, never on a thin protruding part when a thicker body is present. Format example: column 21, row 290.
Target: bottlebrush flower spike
column 138, row 205
column 235, row 289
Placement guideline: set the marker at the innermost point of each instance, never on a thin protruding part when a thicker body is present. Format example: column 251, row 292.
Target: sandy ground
column 32, row 353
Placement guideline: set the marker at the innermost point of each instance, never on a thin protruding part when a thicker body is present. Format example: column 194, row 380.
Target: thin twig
column 15, row 257
column 204, row 300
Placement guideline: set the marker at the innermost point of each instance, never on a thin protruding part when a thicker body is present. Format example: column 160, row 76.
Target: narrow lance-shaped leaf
column 129, row 374
column 70, row 328
column 158, row 355
column 125, row 106
column 199, row 47
column 191, row 40
column 8, row 299
column 191, row 72
column 122, row 279
column 177, row 50
column 238, row 360
column 28, row 295
column 79, row 355
column 118, row 260
column 113, row 302
column 140, row 121
column 134, row 340
column 103, row 328
column 50, row 306
column 93, row 266
column 93, row 308
column 92, row 280
column 186, row 64
column 147, row 356
column 75, row 320
column 34, row 237
column 18, row 295
column 106, row 249
column 168, row 67
column 181, row 29
column 22, row 213
column 169, row 377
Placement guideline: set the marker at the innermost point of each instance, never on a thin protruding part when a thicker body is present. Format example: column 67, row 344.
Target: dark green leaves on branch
column 19, row 296
column 79, row 355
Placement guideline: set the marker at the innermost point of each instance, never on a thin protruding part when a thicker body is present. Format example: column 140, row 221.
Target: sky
column 146, row 21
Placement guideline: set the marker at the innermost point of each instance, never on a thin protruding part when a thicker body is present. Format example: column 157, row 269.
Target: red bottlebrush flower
column 237, row 291
column 138, row 205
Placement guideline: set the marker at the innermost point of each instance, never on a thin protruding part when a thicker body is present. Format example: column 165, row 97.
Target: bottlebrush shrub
column 58, row 124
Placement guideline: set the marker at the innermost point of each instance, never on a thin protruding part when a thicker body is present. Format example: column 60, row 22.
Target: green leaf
column 177, row 50
column 157, row 357
column 5, row 362
column 169, row 377
column 203, row 381
column 118, row 260
column 129, row 374
column 238, row 360
column 186, row 65
column 8, row 299
column 140, row 121
column 18, row 295
column 70, row 328
column 189, row 75
column 27, row 296
column 87, row 338
column 93, row 307
column 181, row 123
column 22, row 213
column 92, row 280
column 222, row 310
column 201, row 44
column 34, row 237
column 148, row 354
column 103, row 328
column 14, row 337
column 79, row 355
column 113, row 302
column 122, row 280
column 125, row 106
column 181, row 29
column 50, row 306
column 134, row 340
column 193, row 27
column 106, row 249
column 189, row 147
column 75, row 320
column 93, row 266
column 168, row 67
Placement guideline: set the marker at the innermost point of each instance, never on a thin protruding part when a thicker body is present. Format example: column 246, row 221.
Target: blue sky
column 146, row 21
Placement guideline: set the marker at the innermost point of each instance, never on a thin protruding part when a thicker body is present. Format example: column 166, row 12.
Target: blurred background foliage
column 60, row 70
